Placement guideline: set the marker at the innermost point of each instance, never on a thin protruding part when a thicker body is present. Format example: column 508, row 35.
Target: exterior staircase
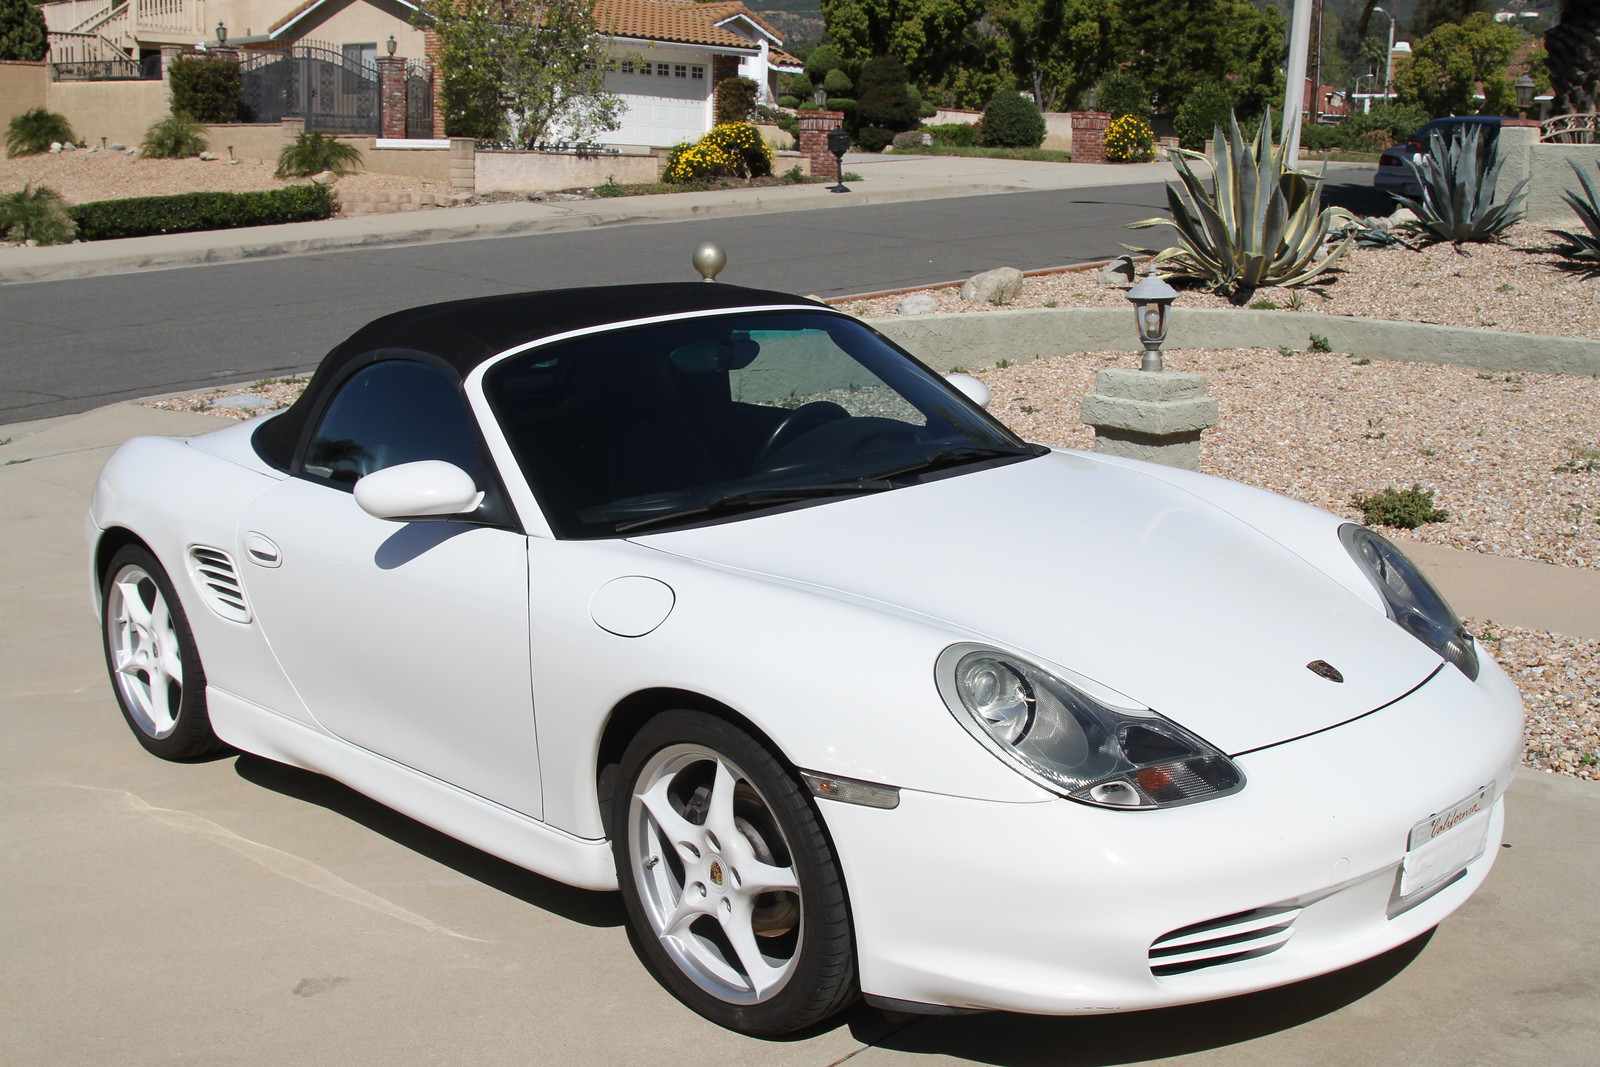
column 87, row 28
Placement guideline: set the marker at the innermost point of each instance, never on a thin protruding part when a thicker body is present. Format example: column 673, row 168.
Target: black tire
column 754, row 959
column 152, row 660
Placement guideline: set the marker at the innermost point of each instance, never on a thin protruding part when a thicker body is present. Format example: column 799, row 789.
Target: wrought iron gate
column 419, row 100
column 335, row 94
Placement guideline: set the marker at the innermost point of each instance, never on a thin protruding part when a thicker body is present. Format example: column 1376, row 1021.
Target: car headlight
column 1072, row 744
column 1410, row 599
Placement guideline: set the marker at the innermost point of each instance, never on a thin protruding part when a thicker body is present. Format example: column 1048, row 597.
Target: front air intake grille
column 1220, row 941
column 217, row 578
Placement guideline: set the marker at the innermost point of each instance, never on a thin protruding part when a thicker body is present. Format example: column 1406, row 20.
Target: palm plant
column 1458, row 175
column 175, row 137
column 1584, row 248
column 32, row 132
column 313, row 153
column 1260, row 227
column 35, row 214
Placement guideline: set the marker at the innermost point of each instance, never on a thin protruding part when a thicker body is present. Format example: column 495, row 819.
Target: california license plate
column 1443, row 843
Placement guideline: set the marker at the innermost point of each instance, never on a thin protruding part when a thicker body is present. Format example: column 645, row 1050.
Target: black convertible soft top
column 463, row 333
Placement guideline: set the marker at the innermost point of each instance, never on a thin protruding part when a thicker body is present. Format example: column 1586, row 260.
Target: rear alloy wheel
column 728, row 879
column 150, row 653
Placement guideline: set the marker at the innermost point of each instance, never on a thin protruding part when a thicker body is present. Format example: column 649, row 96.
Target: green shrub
column 32, row 132
column 1403, row 509
column 801, row 88
column 1129, row 140
column 884, row 99
column 789, row 102
column 313, row 153
column 822, row 59
column 35, row 214
column 23, row 33
column 1011, row 120
column 733, row 151
column 175, row 137
column 206, row 88
column 1120, row 93
column 142, row 216
column 1395, row 121
column 954, row 135
column 736, row 100
column 1202, row 114
column 872, row 139
column 837, row 82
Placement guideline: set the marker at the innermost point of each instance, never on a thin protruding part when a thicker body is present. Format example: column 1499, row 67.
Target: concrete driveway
column 240, row 912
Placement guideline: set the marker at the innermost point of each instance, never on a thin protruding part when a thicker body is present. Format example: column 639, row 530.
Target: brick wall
column 430, row 51
column 391, row 96
column 1089, row 136
column 814, row 127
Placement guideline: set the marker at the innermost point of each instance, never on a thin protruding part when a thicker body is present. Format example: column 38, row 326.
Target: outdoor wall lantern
column 821, row 97
column 1524, row 93
column 1151, row 299
column 391, row 44
column 222, row 33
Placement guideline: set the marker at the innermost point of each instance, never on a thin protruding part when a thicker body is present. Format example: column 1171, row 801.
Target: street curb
column 167, row 251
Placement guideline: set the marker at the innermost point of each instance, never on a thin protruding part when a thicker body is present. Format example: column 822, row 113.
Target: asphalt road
column 75, row 345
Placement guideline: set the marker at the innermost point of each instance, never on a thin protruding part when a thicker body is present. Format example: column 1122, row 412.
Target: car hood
column 1143, row 587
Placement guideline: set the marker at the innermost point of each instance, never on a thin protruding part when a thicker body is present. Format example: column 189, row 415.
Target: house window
column 697, row 72
column 663, row 70
column 360, row 64
column 627, row 66
column 680, row 70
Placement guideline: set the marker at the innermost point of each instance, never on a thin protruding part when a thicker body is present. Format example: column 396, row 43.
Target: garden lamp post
column 391, row 44
column 222, row 34
column 820, row 97
column 1152, row 298
column 1524, row 93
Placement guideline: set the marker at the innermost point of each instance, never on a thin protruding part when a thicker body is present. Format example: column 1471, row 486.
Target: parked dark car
column 1394, row 169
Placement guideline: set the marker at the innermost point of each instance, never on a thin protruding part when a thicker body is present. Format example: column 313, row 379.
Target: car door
column 408, row 639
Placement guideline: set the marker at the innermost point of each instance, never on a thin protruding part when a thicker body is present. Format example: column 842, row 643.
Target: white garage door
column 668, row 104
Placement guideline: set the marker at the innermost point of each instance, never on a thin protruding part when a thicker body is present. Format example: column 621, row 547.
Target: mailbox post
column 839, row 144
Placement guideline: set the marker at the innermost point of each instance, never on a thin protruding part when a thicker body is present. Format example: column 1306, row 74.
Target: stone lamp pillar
column 1151, row 413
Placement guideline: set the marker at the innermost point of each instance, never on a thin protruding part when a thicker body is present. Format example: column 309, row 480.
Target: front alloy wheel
column 728, row 879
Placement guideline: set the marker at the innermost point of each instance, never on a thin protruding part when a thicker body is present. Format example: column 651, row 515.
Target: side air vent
column 1225, row 940
column 218, row 580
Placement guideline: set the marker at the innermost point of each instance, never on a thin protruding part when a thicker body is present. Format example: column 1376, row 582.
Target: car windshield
column 713, row 417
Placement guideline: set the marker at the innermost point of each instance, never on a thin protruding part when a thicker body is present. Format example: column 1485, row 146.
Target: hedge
column 141, row 216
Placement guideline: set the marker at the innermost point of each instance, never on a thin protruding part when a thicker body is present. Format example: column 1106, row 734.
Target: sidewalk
column 885, row 179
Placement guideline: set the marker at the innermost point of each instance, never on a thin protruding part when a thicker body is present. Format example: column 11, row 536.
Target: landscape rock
column 917, row 304
column 911, row 138
column 116, row 146
column 55, row 147
column 208, row 156
column 1401, row 216
column 998, row 286
column 1120, row 271
column 324, row 177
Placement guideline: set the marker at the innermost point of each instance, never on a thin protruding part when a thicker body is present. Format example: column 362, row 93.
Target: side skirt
column 467, row 817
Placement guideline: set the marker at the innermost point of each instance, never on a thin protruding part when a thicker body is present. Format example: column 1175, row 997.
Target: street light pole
column 1388, row 57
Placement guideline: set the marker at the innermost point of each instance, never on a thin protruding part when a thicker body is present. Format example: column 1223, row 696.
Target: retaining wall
column 981, row 338
column 117, row 110
column 22, row 88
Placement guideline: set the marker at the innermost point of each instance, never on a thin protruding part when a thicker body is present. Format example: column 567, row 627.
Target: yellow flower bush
column 1129, row 140
column 733, row 150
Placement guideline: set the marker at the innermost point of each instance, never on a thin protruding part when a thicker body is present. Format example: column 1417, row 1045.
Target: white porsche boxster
column 716, row 597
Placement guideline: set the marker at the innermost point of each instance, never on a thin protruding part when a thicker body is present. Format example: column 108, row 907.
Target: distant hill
column 797, row 20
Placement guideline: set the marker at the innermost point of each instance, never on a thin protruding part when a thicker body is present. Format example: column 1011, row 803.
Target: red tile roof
column 654, row 20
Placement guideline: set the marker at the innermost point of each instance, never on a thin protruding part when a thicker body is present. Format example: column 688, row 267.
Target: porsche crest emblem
column 1323, row 669
column 716, row 873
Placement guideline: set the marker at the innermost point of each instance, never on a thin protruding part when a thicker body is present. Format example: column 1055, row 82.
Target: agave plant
column 1458, row 176
column 1261, row 227
column 36, row 214
column 1583, row 247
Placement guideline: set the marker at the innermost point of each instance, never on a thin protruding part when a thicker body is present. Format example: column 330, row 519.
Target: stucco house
column 668, row 54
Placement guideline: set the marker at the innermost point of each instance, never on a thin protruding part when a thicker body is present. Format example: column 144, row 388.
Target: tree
column 1175, row 45
column 882, row 98
column 1432, row 14
column 1058, row 48
column 22, row 31
column 516, row 70
column 1573, row 44
column 1447, row 67
column 931, row 37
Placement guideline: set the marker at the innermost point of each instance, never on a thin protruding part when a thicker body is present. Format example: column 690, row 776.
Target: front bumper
column 1060, row 908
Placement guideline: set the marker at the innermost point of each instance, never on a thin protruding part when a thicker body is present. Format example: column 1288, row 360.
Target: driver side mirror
column 426, row 489
column 971, row 388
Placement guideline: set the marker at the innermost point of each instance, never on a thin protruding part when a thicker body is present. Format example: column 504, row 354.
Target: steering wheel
column 797, row 423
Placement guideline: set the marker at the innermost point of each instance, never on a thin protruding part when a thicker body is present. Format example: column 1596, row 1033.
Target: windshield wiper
column 752, row 499
column 952, row 457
